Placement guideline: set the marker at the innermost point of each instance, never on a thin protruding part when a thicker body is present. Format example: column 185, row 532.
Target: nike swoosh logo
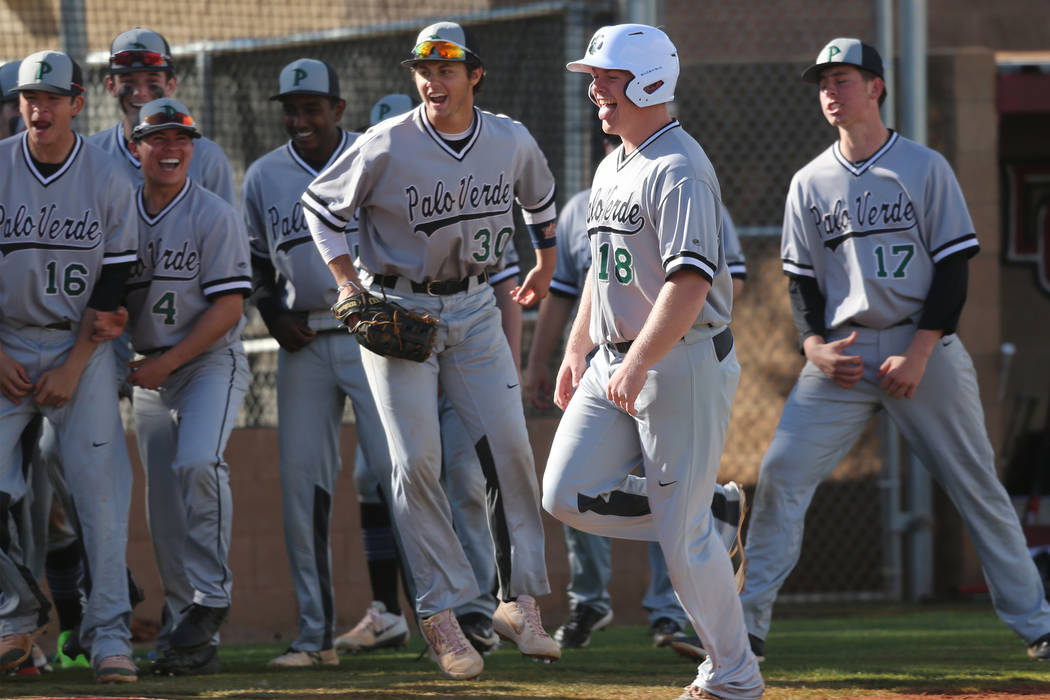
column 669, row 483
column 98, row 444
column 511, row 386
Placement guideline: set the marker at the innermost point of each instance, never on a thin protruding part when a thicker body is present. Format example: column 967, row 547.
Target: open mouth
column 606, row 108
column 437, row 98
column 169, row 165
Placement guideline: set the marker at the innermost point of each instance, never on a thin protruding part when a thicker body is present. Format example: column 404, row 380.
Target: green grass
column 813, row 653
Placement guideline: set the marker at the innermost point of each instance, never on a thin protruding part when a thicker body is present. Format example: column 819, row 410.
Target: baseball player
column 875, row 245
column 70, row 245
column 435, row 188
column 383, row 625
column 10, row 119
column 590, row 563
column 657, row 301
column 319, row 363
column 141, row 69
column 185, row 300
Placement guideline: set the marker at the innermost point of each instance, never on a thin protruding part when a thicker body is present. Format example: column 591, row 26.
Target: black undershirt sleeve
column 807, row 306
column 265, row 294
column 944, row 303
column 109, row 290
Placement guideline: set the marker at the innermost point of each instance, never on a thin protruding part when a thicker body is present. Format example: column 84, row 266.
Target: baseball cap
column 443, row 41
column 307, row 76
column 139, row 49
column 50, row 71
column 389, row 106
column 844, row 50
column 8, row 81
column 161, row 114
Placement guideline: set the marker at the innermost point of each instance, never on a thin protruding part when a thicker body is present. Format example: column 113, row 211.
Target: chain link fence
column 738, row 94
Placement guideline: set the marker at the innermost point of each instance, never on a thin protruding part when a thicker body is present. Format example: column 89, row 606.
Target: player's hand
column 56, row 386
column 14, row 381
column 538, row 385
column 570, row 373
column 535, row 287
column 290, row 331
column 109, row 324
column 149, row 372
column 844, row 370
column 901, row 374
column 624, row 386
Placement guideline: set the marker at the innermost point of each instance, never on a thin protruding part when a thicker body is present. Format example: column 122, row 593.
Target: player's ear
column 78, row 104
column 474, row 75
column 170, row 84
column 111, row 86
column 338, row 107
column 133, row 146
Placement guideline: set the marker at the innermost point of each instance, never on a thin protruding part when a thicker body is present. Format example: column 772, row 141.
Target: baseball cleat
column 519, row 621
column 201, row 661
column 1040, row 648
column 449, row 648
column 695, row 692
column 665, row 630
column 295, row 658
column 116, row 669
column 477, row 628
column 14, row 649
column 576, row 632
column 690, row 647
column 378, row 629
column 197, row 627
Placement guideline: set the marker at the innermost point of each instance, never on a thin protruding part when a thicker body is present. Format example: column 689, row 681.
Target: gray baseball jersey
column 421, row 217
column 56, row 234
column 735, row 260
column 189, row 252
column 209, row 166
column 653, row 212
column 872, row 239
column 277, row 229
column 870, row 234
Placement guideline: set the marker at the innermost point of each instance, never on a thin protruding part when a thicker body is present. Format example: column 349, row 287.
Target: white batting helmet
column 644, row 51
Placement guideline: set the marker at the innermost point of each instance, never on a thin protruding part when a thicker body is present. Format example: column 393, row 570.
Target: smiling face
column 848, row 97
column 136, row 89
column 312, row 123
column 447, row 90
column 165, row 156
column 608, row 91
column 49, row 121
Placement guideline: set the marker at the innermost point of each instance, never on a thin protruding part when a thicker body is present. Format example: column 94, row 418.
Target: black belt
column 435, row 287
column 65, row 325
column 723, row 344
column 904, row 322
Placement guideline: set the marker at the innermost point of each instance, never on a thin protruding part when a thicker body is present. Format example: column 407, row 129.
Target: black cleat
column 477, row 628
column 576, row 632
column 665, row 630
column 204, row 660
column 197, row 627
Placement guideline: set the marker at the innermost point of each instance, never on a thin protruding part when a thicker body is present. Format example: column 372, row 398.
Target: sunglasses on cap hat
column 138, row 57
column 444, row 49
column 169, row 115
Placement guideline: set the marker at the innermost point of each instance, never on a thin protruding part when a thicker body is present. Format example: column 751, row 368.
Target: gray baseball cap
column 140, row 49
column 50, row 71
column 389, row 106
column 8, row 81
column 440, row 41
column 307, row 76
column 161, row 114
column 852, row 52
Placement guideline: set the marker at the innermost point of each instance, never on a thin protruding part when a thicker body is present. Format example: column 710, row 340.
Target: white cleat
column 449, row 647
column 519, row 622
column 378, row 629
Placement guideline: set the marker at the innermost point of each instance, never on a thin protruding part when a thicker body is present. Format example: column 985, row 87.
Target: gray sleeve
column 734, row 253
column 218, row 174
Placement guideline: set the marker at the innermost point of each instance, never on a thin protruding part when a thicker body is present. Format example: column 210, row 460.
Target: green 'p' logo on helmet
column 596, row 44
column 300, row 76
column 169, row 111
column 832, row 52
column 43, row 70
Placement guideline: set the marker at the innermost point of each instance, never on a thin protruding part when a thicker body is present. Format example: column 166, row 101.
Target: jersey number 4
column 72, row 279
column 620, row 263
column 900, row 254
column 165, row 306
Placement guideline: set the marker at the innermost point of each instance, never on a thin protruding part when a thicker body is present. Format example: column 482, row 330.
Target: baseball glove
column 387, row 328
